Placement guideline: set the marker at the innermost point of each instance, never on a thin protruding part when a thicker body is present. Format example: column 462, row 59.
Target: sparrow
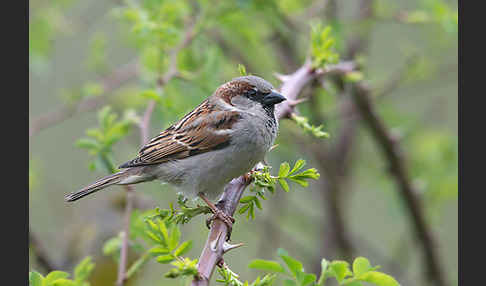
column 222, row 138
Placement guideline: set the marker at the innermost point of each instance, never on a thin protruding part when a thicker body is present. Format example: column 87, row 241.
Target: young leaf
column 378, row 278
column 175, row 236
column 35, row 278
column 54, row 275
column 83, row 269
column 298, row 165
column 183, row 248
column 288, row 282
column 159, row 250
column 284, row 170
column 339, row 269
column 65, row 282
column 164, row 259
column 360, row 266
column 294, row 265
column 284, row 185
column 241, row 69
column 266, row 265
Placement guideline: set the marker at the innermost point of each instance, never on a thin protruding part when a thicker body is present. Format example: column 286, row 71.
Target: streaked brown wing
column 189, row 136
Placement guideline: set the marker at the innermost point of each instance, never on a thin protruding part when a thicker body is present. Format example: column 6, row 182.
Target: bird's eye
column 251, row 92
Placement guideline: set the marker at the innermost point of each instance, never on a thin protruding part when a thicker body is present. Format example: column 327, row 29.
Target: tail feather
column 98, row 185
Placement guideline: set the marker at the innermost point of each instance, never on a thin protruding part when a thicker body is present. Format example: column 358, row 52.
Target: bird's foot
column 218, row 214
column 227, row 219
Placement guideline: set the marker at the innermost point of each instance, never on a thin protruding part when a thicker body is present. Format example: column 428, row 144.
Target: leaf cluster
column 340, row 270
column 99, row 141
column 303, row 122
column 263, row 180
column 60, row 278
column 229, row 278
column 160, row 231
column 322, row 46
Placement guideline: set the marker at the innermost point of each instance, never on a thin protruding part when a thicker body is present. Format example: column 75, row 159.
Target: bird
column 222, row 138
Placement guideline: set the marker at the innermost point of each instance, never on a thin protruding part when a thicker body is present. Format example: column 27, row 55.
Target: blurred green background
column 409, row 49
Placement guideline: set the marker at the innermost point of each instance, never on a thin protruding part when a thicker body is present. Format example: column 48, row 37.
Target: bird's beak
column 273, row 98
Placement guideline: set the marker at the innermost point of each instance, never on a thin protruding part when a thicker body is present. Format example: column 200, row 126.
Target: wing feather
column 194, row 134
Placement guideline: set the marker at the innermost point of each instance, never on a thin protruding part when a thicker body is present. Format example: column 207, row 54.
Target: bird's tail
column 98, row 185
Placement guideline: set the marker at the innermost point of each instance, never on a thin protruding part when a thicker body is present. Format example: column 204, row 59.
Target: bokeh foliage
column 75, row 46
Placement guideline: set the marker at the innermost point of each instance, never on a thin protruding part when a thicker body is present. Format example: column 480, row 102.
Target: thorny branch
column 291, row 87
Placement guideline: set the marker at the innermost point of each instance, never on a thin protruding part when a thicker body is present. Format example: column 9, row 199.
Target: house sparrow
column 222, row 138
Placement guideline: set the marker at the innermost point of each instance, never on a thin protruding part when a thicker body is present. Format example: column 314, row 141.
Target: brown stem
column 394, row 155
column 122, row 266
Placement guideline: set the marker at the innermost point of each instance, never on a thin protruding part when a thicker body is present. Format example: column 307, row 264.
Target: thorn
column 282, row 77
column 214, row 244
column 227, row 247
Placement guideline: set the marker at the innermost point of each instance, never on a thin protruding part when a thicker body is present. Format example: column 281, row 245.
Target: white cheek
column 243, row 102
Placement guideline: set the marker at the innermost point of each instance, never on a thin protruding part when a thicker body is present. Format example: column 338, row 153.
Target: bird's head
column 247, row 92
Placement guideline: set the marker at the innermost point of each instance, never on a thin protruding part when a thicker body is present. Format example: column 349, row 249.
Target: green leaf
column 247, row 199
column 284, row 170
column 54, row 275
column 299, row 181
column 175, row 236
column 35, row 278
column 83, row 269
column 164, row 231
column 309, row 278
column 183, row 248
column 360, row 266
column 112, row 246
column 297, row 167
column 294, row 265
column 150, row 94
column 284, row 185
column 87, row 143
column 152, row 236
column 164, row 259
column 266, row 265
column 340, row 269
column 241, row 69
column 351, row 282
column 159, row 250
column 288, row 282
column 243, row 209
column 378, row 278
column 65, row 282
column 257, row 203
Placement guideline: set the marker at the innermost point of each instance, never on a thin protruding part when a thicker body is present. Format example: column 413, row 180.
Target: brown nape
column 231, row 89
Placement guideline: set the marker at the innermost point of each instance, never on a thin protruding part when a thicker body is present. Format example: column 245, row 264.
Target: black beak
column 273, row 98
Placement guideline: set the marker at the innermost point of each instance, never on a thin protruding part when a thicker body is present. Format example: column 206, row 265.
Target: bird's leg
column 217, row 213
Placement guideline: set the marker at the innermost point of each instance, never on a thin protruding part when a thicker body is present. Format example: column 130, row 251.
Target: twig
column 229, row 200
column 394, row 155
column 110, row 83
column 125, row 235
